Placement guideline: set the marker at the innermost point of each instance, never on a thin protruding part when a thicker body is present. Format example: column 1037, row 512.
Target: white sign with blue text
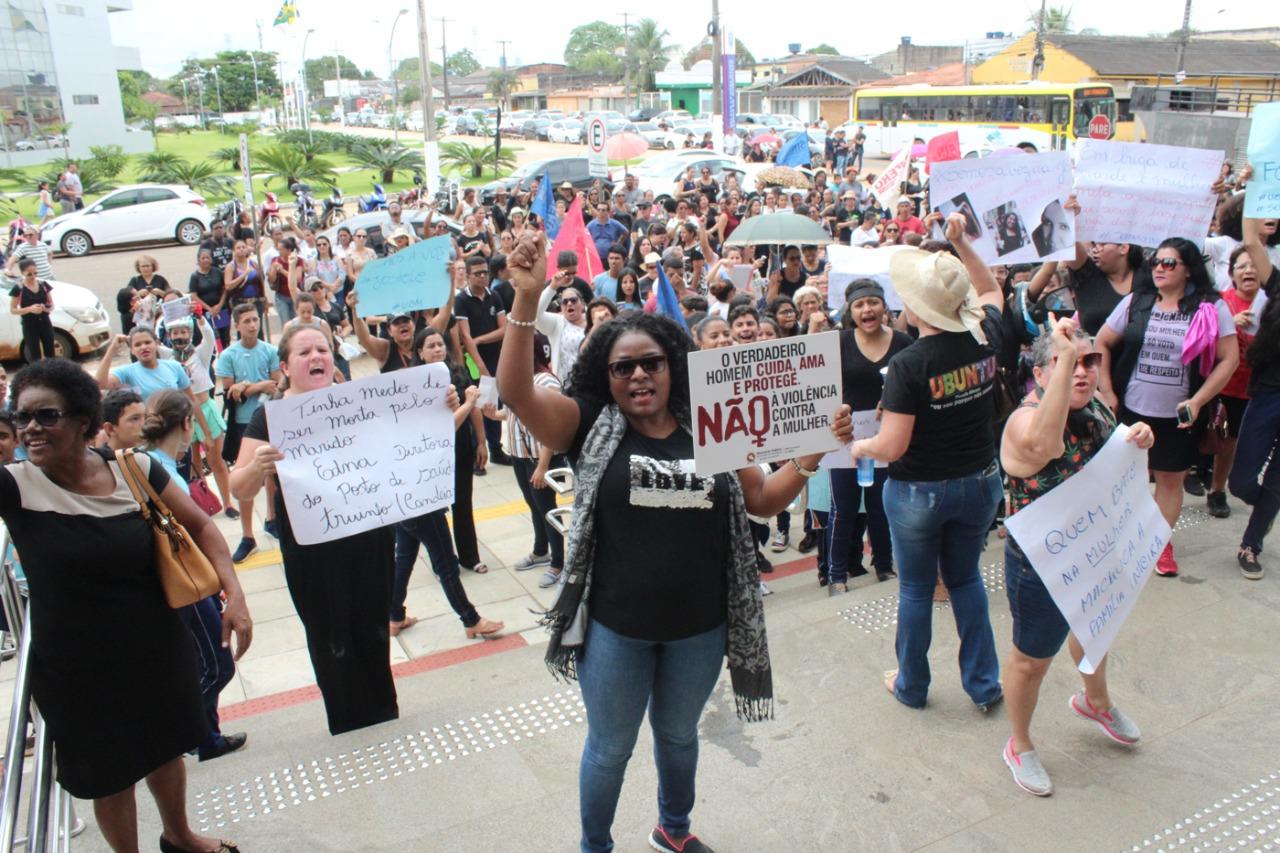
column 1094, row 541
column 364, row 454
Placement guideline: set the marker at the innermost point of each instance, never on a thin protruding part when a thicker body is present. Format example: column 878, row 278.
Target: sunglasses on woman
column 45, row 417
column 1089, row 361
column 1164, row 263
column 625, row 368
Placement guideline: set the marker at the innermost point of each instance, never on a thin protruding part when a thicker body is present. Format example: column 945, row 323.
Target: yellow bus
column 1048, row 116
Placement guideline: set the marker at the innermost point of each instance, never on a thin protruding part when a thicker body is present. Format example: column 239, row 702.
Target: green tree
column 410, row 93
column 703, row 51
column 386, row 158
column 647, row 53
column 408, row 71
column 110, row 159
column 501, row 85
column 604, row 62
column 285, row 163
column 319, row 70
column 235, row 79
column 1057, row 19
column 462, row 63
column 592, row 39
column 823, row 49
column 472, row 159
column 202, row 177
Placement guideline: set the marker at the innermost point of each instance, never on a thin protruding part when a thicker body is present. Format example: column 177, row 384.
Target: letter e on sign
column 595, row 135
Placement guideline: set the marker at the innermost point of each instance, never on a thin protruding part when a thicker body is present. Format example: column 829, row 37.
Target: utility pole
column 1037, row 61
column 217, row 87
column 259, row 23
column 395, row 81
column 306, row 96
column 431, row 154
column 504, row 43
column 1183, row 37
column 626, row 55
column 717, row 102
column 444, row 59
column 337, row 70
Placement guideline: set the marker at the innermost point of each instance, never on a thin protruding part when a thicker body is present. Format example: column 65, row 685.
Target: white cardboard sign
column 852, row 262
column 1141, row 194
column 1094, row 541
column 764, row 402
column 365, row 454
column 1014, row 205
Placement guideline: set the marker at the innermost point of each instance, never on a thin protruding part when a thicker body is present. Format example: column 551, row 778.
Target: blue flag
column 795, row 152
column 667, row 303
column 544, row 204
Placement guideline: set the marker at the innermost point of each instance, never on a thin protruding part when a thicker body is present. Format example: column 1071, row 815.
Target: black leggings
column 37, row 334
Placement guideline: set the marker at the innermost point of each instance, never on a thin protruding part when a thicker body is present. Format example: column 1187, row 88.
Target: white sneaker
column 549, row 578
column 1028, row 773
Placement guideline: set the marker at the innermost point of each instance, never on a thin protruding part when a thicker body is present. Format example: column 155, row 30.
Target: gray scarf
column 748, row 648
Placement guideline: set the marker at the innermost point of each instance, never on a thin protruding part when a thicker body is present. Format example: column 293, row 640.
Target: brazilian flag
column 288, row 13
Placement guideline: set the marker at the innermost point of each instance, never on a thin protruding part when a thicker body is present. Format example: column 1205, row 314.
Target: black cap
column 401, row 317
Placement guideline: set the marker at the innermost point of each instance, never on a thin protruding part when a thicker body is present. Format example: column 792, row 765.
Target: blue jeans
column 943, row 526
column 844, row 528
column 1259, row 439
column 284, row 307
column 204, row 621
column 540, row 502
column 621, row 677
column 432, row 531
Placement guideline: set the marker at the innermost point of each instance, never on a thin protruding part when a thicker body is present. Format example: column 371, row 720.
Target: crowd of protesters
column 659, row 579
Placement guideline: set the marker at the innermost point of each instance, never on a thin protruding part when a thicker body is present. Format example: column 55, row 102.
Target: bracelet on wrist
column 524, row 324
column 803, row 471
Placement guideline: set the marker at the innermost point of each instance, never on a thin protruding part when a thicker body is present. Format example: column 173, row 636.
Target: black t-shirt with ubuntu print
column 946, row 381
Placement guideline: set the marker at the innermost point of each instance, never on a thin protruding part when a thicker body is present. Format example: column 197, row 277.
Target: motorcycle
column 269, row 214
column 447, row 193
column 376, row 201
column 228, row 213
column 334, row 210
column 305, row 205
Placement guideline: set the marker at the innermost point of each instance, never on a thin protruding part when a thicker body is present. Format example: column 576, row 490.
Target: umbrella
column 774, row 228
column 783, row 176
column 766, row 139
column 625, row 146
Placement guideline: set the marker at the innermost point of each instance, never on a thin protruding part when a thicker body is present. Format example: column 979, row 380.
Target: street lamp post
column 430, row 147
column 306, row 97
column 395, row 81
column 254, row 60
column 217, row 87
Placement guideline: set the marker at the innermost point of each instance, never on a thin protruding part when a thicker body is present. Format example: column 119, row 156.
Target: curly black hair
column 590, row 377
column 81, row 397
column 1231, row 220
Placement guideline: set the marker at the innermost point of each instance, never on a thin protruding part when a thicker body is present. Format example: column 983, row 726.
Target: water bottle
column 866, row 471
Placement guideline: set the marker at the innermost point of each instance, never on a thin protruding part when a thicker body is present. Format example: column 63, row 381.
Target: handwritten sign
column 942, row 148
column 1094, row 541
column 865, row 425
column 413, row 278
column 365, row 454
column 1014, row 205
column 488, row 391
column 848, row 263
column 176, row 310
column 1262, row 196
column 888, row 184
column 1142, row 194
column 764, row 402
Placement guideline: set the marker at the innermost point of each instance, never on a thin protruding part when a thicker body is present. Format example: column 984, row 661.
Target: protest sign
column 488, row 391
column 1141, row 194
column 866, row 424
column 176, row 310
column 941, row 149
column 1013, row 205
column 847, row 263
column 888, row 184
column 741, row 275
column 764, row 402
column 364, row 454
column 411, row 279
column 1262, row 196
column 1094, row 541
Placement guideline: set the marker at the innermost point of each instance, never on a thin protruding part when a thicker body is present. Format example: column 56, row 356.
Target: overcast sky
column 167, row 32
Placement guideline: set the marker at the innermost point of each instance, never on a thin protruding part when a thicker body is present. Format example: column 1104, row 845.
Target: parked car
column 671, row 116
column 659, row 173
column 654, row 135
column 559, row 169
column 131, row 214
column 644, row 114
column 568, row 131
column 513, row 121
column 466, row 125
column 80, row 324
column 817, row 140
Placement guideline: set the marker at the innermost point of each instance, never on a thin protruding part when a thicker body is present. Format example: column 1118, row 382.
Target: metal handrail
column 51, row 820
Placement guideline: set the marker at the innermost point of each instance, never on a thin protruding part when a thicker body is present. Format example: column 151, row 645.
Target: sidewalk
column 484, row 756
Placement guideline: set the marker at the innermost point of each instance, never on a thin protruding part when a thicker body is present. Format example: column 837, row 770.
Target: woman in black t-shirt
column 944, row 483
column 32, row 299
column 660, row 573
column 206, row 285
column 866, row 345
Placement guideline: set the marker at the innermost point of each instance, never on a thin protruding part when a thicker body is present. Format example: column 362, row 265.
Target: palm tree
column 1057, row 19
column 465, row 157
column 201, row 177
column 646, row 52
column 501, row 84
column 229, row 155
column 155, row 161
column 289, row 165
column 385, row 157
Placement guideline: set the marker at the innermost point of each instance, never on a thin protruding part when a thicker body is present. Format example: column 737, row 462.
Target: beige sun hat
column 936, row 288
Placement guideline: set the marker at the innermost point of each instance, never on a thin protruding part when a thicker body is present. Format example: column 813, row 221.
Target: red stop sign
column 1100, row 127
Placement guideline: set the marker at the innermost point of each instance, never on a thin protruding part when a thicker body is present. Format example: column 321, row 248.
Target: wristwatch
column 803, row 471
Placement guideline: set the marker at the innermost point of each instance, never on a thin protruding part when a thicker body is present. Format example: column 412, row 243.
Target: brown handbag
column 186, row 574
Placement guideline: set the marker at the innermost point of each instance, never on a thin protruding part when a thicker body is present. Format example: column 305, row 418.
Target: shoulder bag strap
column 127, row 472
column 136, row 470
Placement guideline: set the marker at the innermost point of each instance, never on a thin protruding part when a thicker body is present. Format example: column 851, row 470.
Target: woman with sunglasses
column 1144, row 345
column 650, row 602
column 565, row 330
column 358, row 255
column 329, row 268
column 891, row 233
column 32, row 299
column 113, row 671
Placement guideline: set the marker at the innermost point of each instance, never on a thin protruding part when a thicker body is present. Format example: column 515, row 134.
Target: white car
column 131, row 214
column 80, row 324
column 568, row 130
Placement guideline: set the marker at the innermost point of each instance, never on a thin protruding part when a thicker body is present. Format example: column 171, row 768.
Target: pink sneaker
column 1166, row 566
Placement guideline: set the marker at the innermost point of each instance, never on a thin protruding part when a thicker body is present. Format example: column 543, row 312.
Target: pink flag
column 575, row 238
column 943, row 147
